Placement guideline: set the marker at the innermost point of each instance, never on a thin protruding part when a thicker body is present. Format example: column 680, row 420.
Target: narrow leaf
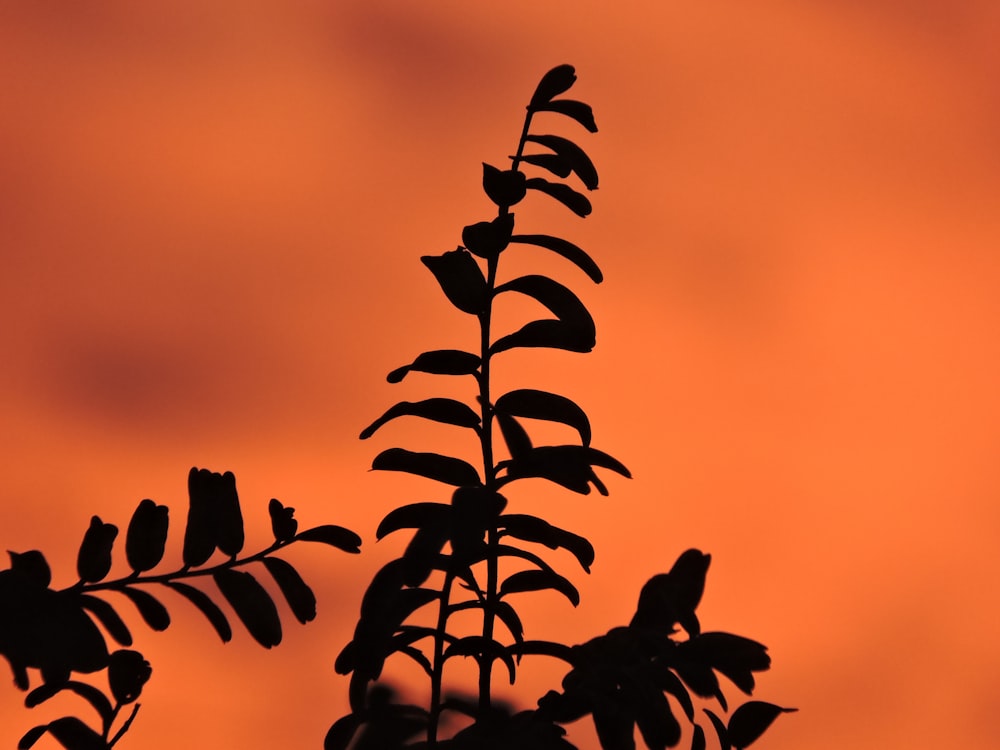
column 572, row 154
column 438, row 362
column 297, row 593
column 107, row 616
column 573, row 330
column 434, row 466
column 514, row 435
column 152, row 611
column 283, row 523
column 720, row 729
column 551, row 407
column 487, row 239
column 553, row 83
column 73, row 734
column 252, row 605
column 751, row 720
column 460, row 279
column 570, row 466
column 482, row 648
column 335, row 536
column 444, row 410
column 509, row 617
column 89, row 693
column 582, row 113
column 31, row 737
column 539, row 580
column 698, row 738
column 207, row 607
column 576, row 202
column 564, row 248
column 554, row 163
column 412, row 516
column 94, row 559
column 532, row 529
column 146, row 537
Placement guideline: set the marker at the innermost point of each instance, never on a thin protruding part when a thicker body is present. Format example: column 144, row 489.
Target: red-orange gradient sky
column 211, row 216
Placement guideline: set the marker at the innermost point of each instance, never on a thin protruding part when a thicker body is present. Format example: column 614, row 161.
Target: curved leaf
column 503, row 187
column 434, row 466
column 487, row 239
column 207, row 607
column 460, row 279
column 438, row 362
column 252, row 605
column 482, row 648
column 412, row 516
column 532, row 529
column 566, row 249
column 73, row 734
column 657, row 724
column 32, row 736
column 554, row 163
column 297, row 593
column 108, row 617
column 582, row 113
column 514, row 435
column 146, row 538
column 551, row 407
column 94, row 559
column 128, row 672
column 732, row 655
column 553, row 83
column 444, row 410
column 698, row 738
column 152, row 611
column 751, row 720
column 576, row 202
column 89, row 693
column 572, row 154
column 720, row 730
column 509, row 617
column 570, row 466
column 539, row 580
column 283, row 523
column 573, row 330
column 335, row 536
column 543, row 648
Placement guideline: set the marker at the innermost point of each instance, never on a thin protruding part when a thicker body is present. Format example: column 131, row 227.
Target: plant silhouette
column 453, row 591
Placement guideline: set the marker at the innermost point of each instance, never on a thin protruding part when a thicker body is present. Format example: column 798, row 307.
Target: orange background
column 211, row 219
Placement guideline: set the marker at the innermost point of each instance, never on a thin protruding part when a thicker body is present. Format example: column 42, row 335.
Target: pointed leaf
column 572, row 154
column 434, row 466
column 31, row 737
column 504, row 187
column 438, row 362
column 146, row 538
column 698, row 738
column 720, row 730
column 73, row 734
column 564, row 248
column 732, row 655
column 576, row 202
column 480, row 647
column 573, row 330
column 554, row 163
column 152, row 611
column 460, row 279
column 89, row 693
column 107, row 616
column 570, row 466
column 444, row 410
column 539, row 580
column 200, row 531
column 509, row 617
column 252, row 605
column 207, row 607
column 751, row 720
column 94, row 559
column 487, row 239
column 657, row 724
column 335, row 536
column 582, row 113
column 514, row 435
column 412, row 516
column 532, row 529
column 300, row 597
column 534, row 404
column 553, row 83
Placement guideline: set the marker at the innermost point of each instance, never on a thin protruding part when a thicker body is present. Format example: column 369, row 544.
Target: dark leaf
column 732, row 655
column 335, row 536
column 655, row 720
column 339, row 736
column 576, row 202
column 154, row 613
column 208, row 608
column 300, row 597
column 252, row 605
column 570, row 466
column 107, row 616
column 564, row 248
column 669, row 683
column 572, row 154
column 720, row 729
column 444, row 410
column 554, row 163
column 751, row 720
column 487, row 239
column 673, row 597
column 31, row 566
column 509, row 617
column 553, row 83
column 543, row 648
column 412, row 516
column 534, row 404
column 539, row 580
column 73, row 734
column 439, row 362
column 146, row 537
column 283, row 523
column 128, row 671
column 94, row 560
column 434, row 466
column 573, row 330
column 698, row 738
column 582, row 113
column 423, row 551
column 89, row 693
column 517, row 440
column 32, row 736
column 200, row 532
column 460, row 279
column 614, row 727
column 482, row 648
column 532, row 529
column 503, row 187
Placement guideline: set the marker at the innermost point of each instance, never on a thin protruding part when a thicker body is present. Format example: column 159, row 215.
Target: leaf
column 487, row 239
column 146, row 538
column 751, row 720
column 412, row 516
column 517, row 440
column 614, row 727
column 573, row 330
column 108, row 617
column 570, row 466
column 732, row 655
column 554, row 163
column 698, row 738
column 73, row 734
column 553, row 83
column 94, row 559
column 572, row 154
column 670, row 683
column 656, row 722
column 335, row 536
column 89, row 693
column 434, row 466
column 582, row 113
column 534, row 404
column 672, row 597
column 504, row 187
column 509, row 617
column 252, row 605
column 152, row 611
column 564, row 248
column 720, row 730
column 460, row 279
column 128, row 671
column 438, row 362
column 207, row 607
column 480, row 647
column 532, row 529
column 576, row 202
column 444, row 410
column 300, row 597
column 200, row 534
column 539, row 580
column 32, row 736
column 283, row 523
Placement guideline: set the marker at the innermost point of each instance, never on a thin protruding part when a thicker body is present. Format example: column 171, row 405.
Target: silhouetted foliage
column 467, row 558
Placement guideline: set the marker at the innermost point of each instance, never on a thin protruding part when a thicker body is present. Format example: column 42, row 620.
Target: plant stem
column 438, row 661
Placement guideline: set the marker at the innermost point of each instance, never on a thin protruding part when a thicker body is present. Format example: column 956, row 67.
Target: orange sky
column 211, row 223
